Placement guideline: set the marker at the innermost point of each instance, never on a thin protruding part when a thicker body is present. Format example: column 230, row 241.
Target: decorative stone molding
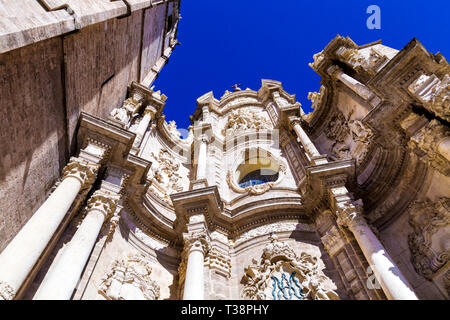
column 279, row 258
column 83, row 170
column 333, row 241
column 6, row 291
column 429, row 139
column 429, row 241
column 245, row 119
column 165, row 175
column 219, row 261
column 272, row 228
column 129, row 279
column 434, row 93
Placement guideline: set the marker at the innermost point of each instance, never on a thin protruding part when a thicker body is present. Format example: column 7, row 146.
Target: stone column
column 65, row 272
column 360, row 89
column 202, row 155
column 196, row 247
column 393, row 283
column 308, row 145
column 22, row 253
column 149, row 114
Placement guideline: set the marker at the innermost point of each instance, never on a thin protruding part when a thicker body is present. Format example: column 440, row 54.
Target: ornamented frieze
column 278, row 259
column 129, row 279
column 219, row 261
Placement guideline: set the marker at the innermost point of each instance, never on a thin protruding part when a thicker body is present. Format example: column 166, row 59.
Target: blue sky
column 244, row 41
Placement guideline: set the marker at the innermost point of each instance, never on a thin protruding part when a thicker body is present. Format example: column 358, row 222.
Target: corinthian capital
column 103, row 201
column 83, row 170
column 6, row 291
column 198, row 240
column 350, row 215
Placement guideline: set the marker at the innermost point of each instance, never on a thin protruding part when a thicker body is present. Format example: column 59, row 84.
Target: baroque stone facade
column 260, row 200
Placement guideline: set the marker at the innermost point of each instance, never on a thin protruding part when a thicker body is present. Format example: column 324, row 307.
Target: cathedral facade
column 258, row 200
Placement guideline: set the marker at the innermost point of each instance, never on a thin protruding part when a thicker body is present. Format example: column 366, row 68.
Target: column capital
column 350, row 214
column 84, row 171
column 293, row 121
column 6, row 291
column 150, row 110
column 197, row 240
column 103, row 201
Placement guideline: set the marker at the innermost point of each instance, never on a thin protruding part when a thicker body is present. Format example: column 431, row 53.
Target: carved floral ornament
column 244, row 119
column 429, row 243
column 267, row 279
column 129, row 279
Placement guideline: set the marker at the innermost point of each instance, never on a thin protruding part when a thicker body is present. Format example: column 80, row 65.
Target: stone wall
column 50, row 73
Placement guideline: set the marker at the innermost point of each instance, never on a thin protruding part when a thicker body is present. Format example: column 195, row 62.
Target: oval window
column 256, row 171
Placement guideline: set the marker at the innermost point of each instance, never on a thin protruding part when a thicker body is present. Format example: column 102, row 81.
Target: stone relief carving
column 338, row 130
column 244, row 119
column 129, row 279
column 219, row 261
column 83, row 170
column 126, row 112
column 279, row 258
column 164, row 175
column 429, row 243
column 434, row 93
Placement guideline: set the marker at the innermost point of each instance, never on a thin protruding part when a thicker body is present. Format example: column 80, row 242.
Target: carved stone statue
column 268, row 278
column 126, row 112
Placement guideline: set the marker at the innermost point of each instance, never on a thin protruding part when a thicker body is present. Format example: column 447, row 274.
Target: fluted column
column 149, row 114
column 196, row 247
column 308, row 145
column 65, row 272
column 392, row 281
column 22, row 253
